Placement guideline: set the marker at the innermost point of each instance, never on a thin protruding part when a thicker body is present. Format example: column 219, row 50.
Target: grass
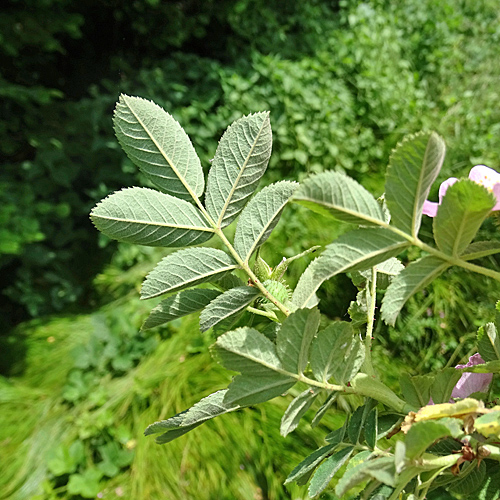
column 238, row 456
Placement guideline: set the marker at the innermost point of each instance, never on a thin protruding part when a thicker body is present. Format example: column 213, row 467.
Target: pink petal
column 430, row 208
column 488, row 178
column 444, row 187
column 472, row 382
column 496, row 192
column 482, row 174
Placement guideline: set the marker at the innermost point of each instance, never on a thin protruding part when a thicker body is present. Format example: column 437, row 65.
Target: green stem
column 452, row 260
column 239, row 260
column 244, row 265
column 261, row 312
column 368, row 366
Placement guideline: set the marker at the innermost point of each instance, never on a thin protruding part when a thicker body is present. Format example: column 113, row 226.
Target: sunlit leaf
column 335, row 194
column 158, row 145
column 461, row 213
column 352, row 251
column 227, row 305
column 422, row 434
column 147, row 217
column 206, row 409
column 179, row 305
column 416, row 390
column 260, row 217
column 294, row 339
column 249, row 352
column 186, row 268
column 310, row 463
column 329, row 350
column 296, row 410
column 480, row 249
column 443, row 385
column 240, row 161
column 488, row 342
column 328, row 469
column 413, row 167
column 412, row 279
column 382, row 469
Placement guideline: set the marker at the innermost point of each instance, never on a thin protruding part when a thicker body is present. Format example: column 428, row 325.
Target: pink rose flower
column 481, row 174
column 472, row 382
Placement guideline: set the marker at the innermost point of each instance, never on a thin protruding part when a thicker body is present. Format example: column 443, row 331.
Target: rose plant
column 442, row 429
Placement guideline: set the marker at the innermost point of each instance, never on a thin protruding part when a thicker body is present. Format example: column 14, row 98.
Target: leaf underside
column 186, row 268
column 158, row 145
column 240, row 161
column 147, row 217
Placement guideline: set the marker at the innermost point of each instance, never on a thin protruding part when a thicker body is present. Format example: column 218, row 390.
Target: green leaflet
column 158, row 145
column 480, row 249
column 206, row 409
column 335, row 194
column 186, row 268
column 443, row 384
column 309, row 463
column 327, row 470
column 412, row 279
column 147, row 217
column 252, row 390
column 416, row 390
column 260, row 217
column 329, row 350
column 461, row 213
column 296, row 410
column 178, row 305
column 358, row 249
column 240, row 161
column 371, row 428
column 304, row 294
column 381, row 469
column 227, row 305
column 422, row 434
column 249, row 352
column 488, row 342
column 413, row 167
column 294, row 339
column 470, row 480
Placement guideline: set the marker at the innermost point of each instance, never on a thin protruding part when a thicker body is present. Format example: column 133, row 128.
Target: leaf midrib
column 237, row 180
column 149, row 223
column 342, row 209
column 162, row 152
